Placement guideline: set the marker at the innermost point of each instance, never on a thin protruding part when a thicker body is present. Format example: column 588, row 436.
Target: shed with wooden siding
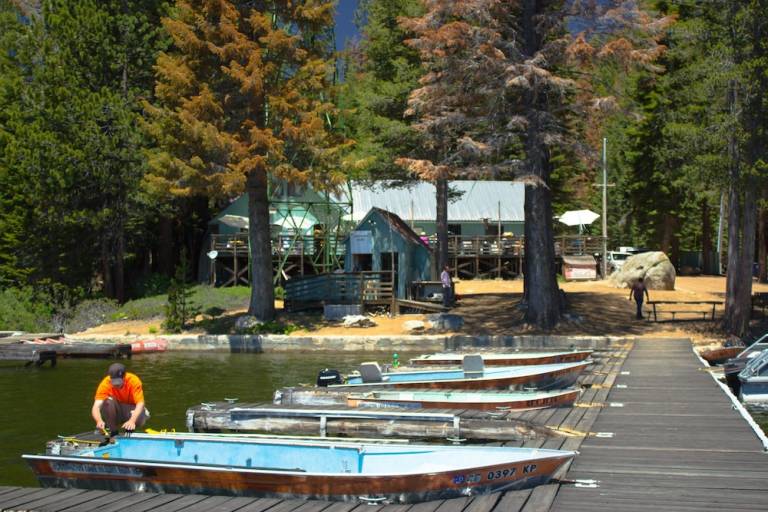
column 383, row 242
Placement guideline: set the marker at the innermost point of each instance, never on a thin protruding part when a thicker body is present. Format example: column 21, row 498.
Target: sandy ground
column 490, row 307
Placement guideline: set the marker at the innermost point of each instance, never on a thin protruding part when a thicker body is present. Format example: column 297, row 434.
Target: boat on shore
column 339, row 471
column 720, row 355
column 504, row 359
column 541, row 377
column 485, row 401
column 733, row 366
column 753, row 381
column 148, row 346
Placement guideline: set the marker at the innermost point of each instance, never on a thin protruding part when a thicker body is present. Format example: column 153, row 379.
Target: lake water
column 37, row 404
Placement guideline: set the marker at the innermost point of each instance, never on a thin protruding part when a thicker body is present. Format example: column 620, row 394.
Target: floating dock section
column 40, row 353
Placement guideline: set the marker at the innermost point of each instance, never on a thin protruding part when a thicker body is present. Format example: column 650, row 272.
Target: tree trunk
column 106, row 267
column 762, row 250
column 262, row 304
column 733, row 269
column 706, row 238
column 541, row 289
column 670, row 244
column 441, row 199
column 165, row 247
column 120, row 263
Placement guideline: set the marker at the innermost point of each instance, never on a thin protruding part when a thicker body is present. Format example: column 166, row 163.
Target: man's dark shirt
column 638, row 289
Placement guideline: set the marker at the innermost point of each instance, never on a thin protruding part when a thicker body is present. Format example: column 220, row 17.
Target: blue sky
column 345, row 28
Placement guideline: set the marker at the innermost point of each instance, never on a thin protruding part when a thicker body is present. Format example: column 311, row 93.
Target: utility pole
column 605, row 186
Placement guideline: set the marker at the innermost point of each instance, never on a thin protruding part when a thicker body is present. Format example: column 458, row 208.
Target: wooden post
column 498, row 242
column 234, row 248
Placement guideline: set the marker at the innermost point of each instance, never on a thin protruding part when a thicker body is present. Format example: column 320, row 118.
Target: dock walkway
column 665, row 437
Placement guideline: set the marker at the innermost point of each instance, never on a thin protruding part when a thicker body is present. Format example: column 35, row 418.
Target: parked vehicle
column 616, row 260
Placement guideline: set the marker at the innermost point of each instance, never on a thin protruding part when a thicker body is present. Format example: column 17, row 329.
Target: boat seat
column 371, row 372
column 473, row 366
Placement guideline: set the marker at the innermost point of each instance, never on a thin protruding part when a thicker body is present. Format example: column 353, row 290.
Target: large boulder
column 657, row 271
column 358, row 321
column 245, row 324
column 445, row 322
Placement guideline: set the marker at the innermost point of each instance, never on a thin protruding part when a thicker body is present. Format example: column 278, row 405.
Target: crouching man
column 119, row 402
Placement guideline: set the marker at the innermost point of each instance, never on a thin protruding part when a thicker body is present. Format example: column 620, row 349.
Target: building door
column 389, row 263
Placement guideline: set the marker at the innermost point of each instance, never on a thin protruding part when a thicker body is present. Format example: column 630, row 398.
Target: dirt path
column 490, row 307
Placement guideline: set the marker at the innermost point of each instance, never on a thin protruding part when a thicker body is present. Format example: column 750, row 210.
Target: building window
column 454, row 229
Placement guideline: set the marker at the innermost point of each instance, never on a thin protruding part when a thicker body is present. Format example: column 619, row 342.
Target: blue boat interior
column 497, row 372
column 324, row 458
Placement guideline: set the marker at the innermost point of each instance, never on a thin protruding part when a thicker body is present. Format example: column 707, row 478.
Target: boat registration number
column 493, row 475
column 504, row 473
column 95, row 469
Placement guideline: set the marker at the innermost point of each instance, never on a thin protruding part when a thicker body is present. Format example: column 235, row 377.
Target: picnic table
column 760, row 300
column 704, row 312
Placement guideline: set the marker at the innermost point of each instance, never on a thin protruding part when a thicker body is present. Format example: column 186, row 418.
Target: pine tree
column 516, row 99
column 179, row 308
column 242, row 96
column 379, row 74
column 71, row 164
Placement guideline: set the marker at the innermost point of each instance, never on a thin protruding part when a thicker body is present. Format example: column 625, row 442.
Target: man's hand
column 100, row 425
column 129, row 425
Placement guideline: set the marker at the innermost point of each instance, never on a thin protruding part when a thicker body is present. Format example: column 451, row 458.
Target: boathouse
column 383, row 242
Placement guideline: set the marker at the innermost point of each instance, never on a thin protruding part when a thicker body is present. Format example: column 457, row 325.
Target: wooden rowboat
column 339, row 471
column 522, row 400
column 546, row 376
column 721, row 355
column 505, row 359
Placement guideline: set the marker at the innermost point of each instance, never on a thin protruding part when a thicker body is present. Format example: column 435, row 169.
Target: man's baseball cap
column 116, row 373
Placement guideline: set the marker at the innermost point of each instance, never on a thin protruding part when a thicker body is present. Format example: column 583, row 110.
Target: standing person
column 445, row 278
column 119, row 401
column 637, row 290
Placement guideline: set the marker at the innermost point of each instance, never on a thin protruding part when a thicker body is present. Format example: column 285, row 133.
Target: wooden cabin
column 383, row 242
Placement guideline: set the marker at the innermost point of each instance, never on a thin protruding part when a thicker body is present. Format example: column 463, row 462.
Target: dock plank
column 254, row 504
column 53, row 498
column 64, row 504
column 215, row 504
column 126, row 502
column 100, row 503
column 16, row 499
column 677, row 443
column 178, row 504
column 513, row 501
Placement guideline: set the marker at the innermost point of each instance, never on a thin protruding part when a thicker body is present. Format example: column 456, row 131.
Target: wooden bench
column 760, row 300
column 704, row 312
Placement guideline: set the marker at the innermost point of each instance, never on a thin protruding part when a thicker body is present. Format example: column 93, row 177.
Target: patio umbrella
column 578, row 218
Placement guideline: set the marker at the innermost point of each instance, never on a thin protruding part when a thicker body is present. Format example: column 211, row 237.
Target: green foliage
column 22, row 310
column 90, row 313
column 70, row 159
column 179, row 308
column 212, row 301
column 147, row 286
column 379, row 76
column 279, row 293
column 273, row 327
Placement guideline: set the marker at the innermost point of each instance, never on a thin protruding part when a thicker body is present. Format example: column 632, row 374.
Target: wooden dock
column 654, row 433
column 39, row 353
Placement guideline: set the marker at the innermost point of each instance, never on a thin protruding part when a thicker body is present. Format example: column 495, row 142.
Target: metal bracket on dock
column 372, row 501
